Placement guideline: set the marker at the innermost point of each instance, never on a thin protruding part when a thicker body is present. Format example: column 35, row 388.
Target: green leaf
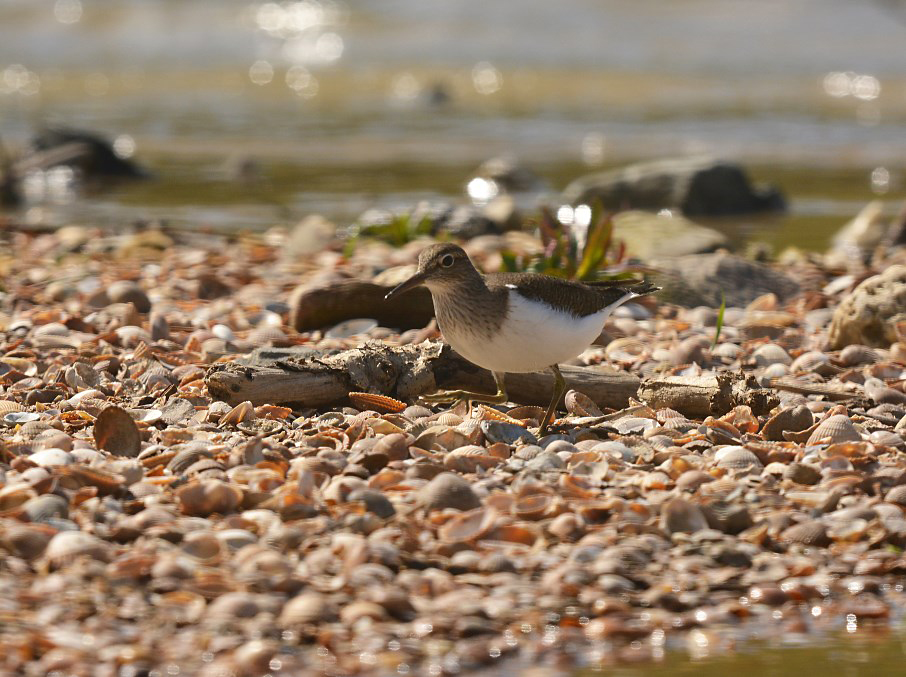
column 720, row 318
column 596, row 246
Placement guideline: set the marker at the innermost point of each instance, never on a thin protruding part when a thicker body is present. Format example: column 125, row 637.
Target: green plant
column 397, row 230
column 582, row 252
column 720, row 319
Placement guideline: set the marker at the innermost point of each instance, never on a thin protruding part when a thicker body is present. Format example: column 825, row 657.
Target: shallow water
column 348, row 105
column 881, row 656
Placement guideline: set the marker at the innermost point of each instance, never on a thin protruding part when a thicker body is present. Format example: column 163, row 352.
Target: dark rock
column 510, row 175
column 696, row 186
column 92, row 154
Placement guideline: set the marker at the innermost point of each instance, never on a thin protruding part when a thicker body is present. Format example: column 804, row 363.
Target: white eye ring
column 447, row 260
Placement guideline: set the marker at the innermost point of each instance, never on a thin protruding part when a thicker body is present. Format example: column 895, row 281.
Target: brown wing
column 578, row 298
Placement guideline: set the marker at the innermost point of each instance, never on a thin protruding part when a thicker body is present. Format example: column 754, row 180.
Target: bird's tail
column 634, row 287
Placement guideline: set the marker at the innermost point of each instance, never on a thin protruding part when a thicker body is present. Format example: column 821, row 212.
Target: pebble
column 421, row 537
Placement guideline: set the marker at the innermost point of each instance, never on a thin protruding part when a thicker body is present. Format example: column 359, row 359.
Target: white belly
column 532, row 337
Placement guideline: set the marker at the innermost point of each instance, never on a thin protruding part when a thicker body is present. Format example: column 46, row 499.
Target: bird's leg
column 559, row 389
column 456, row 395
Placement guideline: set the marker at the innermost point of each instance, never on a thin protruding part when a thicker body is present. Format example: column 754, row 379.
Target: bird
column 513, row 322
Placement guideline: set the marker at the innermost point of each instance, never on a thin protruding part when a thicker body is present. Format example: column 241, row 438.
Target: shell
column 527, row 412
column 897, row 495
column 8, row 406
column 116, row 432
column 309, row 607
column 680, row 515
column 67, row 546
column 580, row 404
column 374, row 402
column 736, row 458
column 448, row 491
column 811, row 532
column 107, row 483
column 146, row 416
column 770, row 353
column 856, row 354
column 467, row 526
column 691, row 480
column 837, row 428
column 802, row 473
column 243, row 412
column 19, row 417
column 46, row 506
column 811, row 361
column 485, row 413
column 27, row 541
column 794, row 419
column 205, row 497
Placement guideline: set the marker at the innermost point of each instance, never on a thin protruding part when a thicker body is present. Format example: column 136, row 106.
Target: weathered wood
column 706, row 395
column 404, row 372
column 315, row 307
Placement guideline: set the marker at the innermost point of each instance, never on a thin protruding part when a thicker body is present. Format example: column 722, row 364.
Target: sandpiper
column 513, row 322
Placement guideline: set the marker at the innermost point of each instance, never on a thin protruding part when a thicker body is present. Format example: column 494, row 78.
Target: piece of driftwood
column 315, row 307
column 812, row 389
column 403, row 372
column 706, row 395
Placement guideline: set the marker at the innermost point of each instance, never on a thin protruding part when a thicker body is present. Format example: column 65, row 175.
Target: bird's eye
column 446, row 260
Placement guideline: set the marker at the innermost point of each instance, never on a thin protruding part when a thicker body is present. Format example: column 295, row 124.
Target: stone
column 698, row 186
column 703, row 279
column 311, row 235
column 127, row 291
column 870, row 313
column 649, row 235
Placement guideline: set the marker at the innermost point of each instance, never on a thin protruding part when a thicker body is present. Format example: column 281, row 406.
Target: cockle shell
column 580, row 404
column 736, row 458
column 856, row 354
column 205, row 497
column 811, row 532
column 67, row 546
column 374, row 402
column 837, row 428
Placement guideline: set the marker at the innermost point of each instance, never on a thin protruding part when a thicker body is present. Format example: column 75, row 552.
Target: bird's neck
column 469, row 285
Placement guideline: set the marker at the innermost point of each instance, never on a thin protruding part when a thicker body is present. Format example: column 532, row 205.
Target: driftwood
column 314, row 307
column 706, row 395
column 404, row 372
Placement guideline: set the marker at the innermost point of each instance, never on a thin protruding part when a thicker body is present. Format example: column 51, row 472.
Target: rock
column 649, row 235
column 855, row 242
column 510, row 175
column 89, row 152
column 311, row 235
column 314, row 306
column 698, row 186
column 701, row 279
column 871, row 311
column 126, row 291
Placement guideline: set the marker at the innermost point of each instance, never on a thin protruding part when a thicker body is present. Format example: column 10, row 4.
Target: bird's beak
column 413, row 281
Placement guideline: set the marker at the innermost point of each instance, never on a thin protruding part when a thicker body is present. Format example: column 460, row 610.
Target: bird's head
column 441, row 267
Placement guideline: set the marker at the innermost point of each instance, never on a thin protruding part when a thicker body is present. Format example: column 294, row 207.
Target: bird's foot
column 447, row 396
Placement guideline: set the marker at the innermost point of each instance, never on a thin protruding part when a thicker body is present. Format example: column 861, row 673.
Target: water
column 349, row 105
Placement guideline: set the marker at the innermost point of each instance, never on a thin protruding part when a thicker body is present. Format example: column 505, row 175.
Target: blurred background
column 248, row 114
